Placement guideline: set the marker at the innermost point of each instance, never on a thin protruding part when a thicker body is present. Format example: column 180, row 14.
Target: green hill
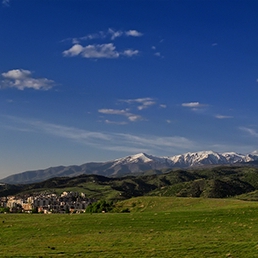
column 214, row 182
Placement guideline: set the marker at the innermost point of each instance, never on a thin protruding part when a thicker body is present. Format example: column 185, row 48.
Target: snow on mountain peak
column 189, row 159
column 141, row 156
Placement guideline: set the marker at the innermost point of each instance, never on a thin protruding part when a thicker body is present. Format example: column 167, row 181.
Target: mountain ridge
column 133, row 164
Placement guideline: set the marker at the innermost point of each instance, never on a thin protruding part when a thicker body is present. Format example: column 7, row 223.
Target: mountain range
column 133, row 165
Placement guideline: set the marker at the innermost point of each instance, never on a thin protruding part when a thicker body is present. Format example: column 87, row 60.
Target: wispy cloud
column 228, row 147
column 137, row 105
column 114, row 122
column 105, row 50
column 223, row 117
column 6, row 2
column 144, row 102
column 157, row 142
column 157, row 53
column 250, row 131
column 194, row 106
column 98, row 51
column 109, row 34
column 133, row 33
column 103, row 140
column 70, row 132
column 140, row 104
column 22, row 79
column 93, row 51
column 127, row 149
column 130, row 52
column 131, row 117
column 121, row 142
column 115, row 34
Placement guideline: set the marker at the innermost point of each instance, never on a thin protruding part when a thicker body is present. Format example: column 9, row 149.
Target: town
column 66, row 202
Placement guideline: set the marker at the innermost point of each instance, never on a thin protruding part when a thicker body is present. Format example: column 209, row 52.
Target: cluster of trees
column 100, row 206
column 104, row 206
column 4, row 209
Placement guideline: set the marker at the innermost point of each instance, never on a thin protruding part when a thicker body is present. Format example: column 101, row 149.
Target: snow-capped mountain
column 143, row 158
column 134, row 164
column 189, row 159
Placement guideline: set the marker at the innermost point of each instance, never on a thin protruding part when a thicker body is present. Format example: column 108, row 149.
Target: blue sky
column 97, row 80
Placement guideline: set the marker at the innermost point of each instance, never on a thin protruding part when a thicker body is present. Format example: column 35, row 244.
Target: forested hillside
column 215, row 182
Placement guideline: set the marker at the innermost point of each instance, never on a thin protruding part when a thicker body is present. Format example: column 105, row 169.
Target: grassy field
column 155, row 227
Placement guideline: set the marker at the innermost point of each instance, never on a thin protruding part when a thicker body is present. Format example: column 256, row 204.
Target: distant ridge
column 133, row 164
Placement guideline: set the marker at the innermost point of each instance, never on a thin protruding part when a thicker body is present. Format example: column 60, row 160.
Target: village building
column 67, row 202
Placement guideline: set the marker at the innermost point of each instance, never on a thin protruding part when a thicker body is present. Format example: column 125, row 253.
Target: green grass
column 253, row 196
column 156, row 227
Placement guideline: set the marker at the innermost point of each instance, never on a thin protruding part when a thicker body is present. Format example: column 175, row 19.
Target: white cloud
column 163, row 105
column 115, row 34
column 21, row 79
column 193, row 105
column 75, row 50
column 130, row 52
column 98, row 51
column 98, row 35
column 131, row 117
column 134, row 118
column 110, row 33
column 93, row 51
column 130, row 33
column 113, row 111
column 107, row 50
column 133, row 33
column 223, row 117
column 18, row 74
column 93, row 36
column 145, row 102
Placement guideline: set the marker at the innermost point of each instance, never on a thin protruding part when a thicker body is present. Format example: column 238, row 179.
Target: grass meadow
column 155, row 227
